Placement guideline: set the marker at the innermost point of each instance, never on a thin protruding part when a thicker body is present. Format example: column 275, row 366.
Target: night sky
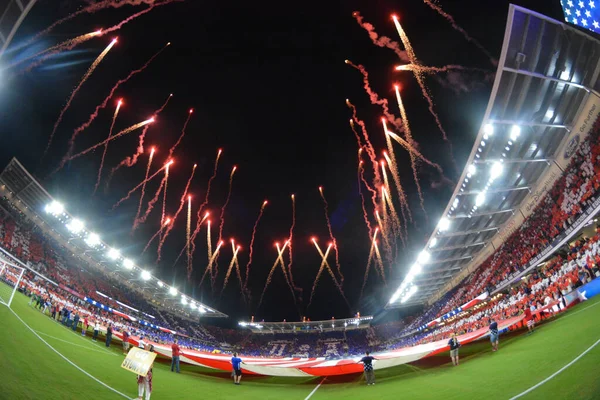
column 268, row 84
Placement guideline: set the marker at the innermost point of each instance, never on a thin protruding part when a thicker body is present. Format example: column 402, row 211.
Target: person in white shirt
column 96, row 330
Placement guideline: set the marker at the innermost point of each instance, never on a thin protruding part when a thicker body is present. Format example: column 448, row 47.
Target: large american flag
column 584, row 13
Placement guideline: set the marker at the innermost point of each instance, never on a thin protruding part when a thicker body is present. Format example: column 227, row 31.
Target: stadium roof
column 12, row 14
column 32, row 199
column 309, row 326
column 546, row 72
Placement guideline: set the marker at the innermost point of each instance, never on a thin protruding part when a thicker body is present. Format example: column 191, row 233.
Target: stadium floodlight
column 444, row 224
column 515, row 131
column 480, row 199
column 488, row 129
column 160, row 284
column 549, row 114
column 172, row 291
column 75, row 226
column 455, row 203
column 127, row 263
column 472, row 169
column 202, row 310
column 183, row 300
column 92, row 240
column 424, row 257
column 496, row 171
column 411, row 292
column 55, row 208
column 146, row 275
column 433, row 242
column 242, row 323
column 113, row 254
column 395, row 296
column 193, row 306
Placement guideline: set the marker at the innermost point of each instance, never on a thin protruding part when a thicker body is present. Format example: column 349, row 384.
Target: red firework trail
column 468, row 37
column 273, row 268
column 231, row 264
column 290, row 240
column 404, row 206
column 380, row 264
column 74, row 92
column 409, row 138
column 164, row 204
column 381, row 41
column 433, row 70
column 110, row 131
column 260, row 214
column 420, row 80
column 391, row 159
column 92, row 8
column 222, row 220
column 222, row 214
column 285, row 274
column 205, row 202
column 374, row 97
column 360, row 174
column 107, row 99
column 140, row 185
column 102, row 143
column 369, row 146
column 210, row 262
column 154, row 200
column 139, row 209
column 371, row 252
column 162, row 227
column 172, row 149
column 325, row 265
column 131, row 161
column 416, row 152
column 335, row 248
column 184, row 196
column 187, row 247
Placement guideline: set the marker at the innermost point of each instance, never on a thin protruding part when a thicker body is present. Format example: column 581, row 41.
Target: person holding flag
column 454, row 345
column 236, row 362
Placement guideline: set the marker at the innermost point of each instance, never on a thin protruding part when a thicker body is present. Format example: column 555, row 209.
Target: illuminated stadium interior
column 506, row 275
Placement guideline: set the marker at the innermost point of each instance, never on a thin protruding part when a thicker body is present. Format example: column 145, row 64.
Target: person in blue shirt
column 236, row 362
column 494, row 335
column 454, row 345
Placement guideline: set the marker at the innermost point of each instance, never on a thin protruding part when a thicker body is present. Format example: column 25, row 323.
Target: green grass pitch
column 31, row 370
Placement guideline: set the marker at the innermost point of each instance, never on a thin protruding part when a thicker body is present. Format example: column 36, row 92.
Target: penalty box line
column 69, row 361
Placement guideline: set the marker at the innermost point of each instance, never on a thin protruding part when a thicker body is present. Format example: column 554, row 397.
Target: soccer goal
column 10, row 279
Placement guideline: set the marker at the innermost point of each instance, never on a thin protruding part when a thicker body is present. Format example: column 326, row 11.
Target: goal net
column 10, row 279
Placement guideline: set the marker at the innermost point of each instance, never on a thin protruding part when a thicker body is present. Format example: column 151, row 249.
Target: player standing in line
column 236, row 362
column 529, row 318
column 494, row 335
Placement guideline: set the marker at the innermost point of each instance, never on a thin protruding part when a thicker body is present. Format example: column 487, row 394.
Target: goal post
column 10, row 279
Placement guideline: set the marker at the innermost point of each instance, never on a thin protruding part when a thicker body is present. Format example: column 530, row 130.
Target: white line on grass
column 557, row 372
column 67, row 360
column 315, row 389
column 81, row 337
column 73, row 344
column 583, row 309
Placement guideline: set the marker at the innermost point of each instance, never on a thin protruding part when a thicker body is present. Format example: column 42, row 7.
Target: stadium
column 498, row 300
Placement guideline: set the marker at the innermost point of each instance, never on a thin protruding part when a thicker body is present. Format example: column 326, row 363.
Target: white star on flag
column 575, row 21
column 570, row 3
column 588, row 13
column 592, row 5
column 596, row 25
column 578, row 13
column 567, row 11
column 581, row 5
column 584, row 22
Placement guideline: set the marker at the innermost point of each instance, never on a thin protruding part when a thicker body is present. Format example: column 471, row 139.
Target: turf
column 31, row 370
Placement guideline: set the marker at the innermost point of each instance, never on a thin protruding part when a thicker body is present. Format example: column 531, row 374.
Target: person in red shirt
column 125, row 342
column 528, row 318
column 175, row 356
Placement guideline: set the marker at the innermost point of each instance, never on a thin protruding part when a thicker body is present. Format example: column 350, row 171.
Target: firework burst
column 335, row 248
column 260, row 214
column 110, row 131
